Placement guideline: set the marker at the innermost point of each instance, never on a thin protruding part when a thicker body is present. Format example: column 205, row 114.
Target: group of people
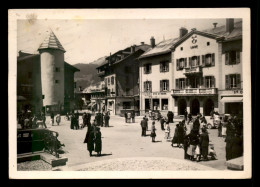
column 129, row 116
column 93, row 138
column 74, row 120
column 29, row 120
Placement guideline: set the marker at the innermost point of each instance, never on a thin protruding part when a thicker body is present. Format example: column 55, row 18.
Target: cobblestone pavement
column 37, row 165
column 123, row 140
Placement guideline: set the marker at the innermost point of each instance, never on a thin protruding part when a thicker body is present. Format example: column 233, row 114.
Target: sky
column 87, row 40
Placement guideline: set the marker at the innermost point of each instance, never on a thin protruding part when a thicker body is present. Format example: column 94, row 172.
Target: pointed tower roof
column 51, row 42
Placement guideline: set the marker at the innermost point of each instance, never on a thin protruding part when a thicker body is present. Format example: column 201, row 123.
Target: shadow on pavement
column 102, row 155
column 157, row 141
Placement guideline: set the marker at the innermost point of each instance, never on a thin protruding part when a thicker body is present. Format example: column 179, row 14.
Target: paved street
column 123, row 140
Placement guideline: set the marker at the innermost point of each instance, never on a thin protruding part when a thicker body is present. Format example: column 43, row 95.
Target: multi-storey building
column 45, row 80
column 120, row 73
column 155, row 73
column 207, row 70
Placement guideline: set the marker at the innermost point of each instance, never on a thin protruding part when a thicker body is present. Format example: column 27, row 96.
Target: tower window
column 57, row 81
column 208, row 43
column 181, row 48
column 57, row 69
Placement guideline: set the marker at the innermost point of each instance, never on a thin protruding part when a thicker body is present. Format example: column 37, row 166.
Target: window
column 164, row 66
column 147, row 86
column 147, row 68
column 164, row 85
column 210, row 82
column 126, row 105
column 112, row 80
column 57, row 81
column 108, row 81
column 180, row 83
column 181, row 48
column 108, row 91
column 194, row 61
column 232, row 57
column 127, row 90
column 181, row 63
column 208, row 43
column 29, row 75
column 57, row 69
column 233, row 81
column 208, row 60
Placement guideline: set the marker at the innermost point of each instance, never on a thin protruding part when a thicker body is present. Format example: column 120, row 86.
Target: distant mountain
column 88, row 73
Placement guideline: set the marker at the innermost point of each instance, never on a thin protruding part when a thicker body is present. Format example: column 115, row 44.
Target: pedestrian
column 125, row 117
column 58, row 119
column 162, row 121
column 133, row 117
column 167, row 131
column 224, row 127
column 143, row 126
column 220, row 129
column 153, row 129
column 194, row 141
column 189, row 118
column 98, row 142
column 85, row 119
column 44, row 119
column 204, row 144
column 106, row 117
column 146, row 119
column 91, row 141
column 186, row 144
column 129, row 117
column 72, row 121
column 181, row 133
column 175, row 137
column 185, row 114
column 196, row 124
column 237, row 145
column 229, row 139
column 52, row 118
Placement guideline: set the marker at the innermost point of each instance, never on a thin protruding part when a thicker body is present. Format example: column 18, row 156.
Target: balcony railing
column 195, row 91
column 193, row 70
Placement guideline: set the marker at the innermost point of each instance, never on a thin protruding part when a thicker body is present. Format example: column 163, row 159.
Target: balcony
column 194, row 91
column 193, row 70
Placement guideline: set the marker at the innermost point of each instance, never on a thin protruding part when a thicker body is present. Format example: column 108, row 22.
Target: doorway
column 195, row 107
column 208, row 107
column 182, row 106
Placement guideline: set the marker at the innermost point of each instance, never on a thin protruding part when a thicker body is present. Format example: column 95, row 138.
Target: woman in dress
column 175, row 137
column 98, row 142
column 167, row 130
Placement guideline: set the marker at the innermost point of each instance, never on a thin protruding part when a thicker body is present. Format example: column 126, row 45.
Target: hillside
column 88, row 73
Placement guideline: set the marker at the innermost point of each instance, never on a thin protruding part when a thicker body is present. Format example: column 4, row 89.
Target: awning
column 231, row 99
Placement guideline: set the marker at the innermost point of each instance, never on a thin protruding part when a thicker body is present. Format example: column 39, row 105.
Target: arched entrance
column 181, row 106
column 195, row 107
column 208, row 106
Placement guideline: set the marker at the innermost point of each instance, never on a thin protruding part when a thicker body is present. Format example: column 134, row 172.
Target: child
column 167, row 130
column 153, row 129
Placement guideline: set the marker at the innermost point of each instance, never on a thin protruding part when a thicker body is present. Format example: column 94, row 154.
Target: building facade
column 207, row 71
column 120, row 73
column 45, row 81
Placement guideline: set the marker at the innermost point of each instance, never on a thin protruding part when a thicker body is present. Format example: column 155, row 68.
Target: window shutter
column 213, row 82
column 185, row 62
column 144, row 69
column 177, row 64
column 203, row 60
column 161, row 67
column 150, row 68
column 145, row 86
column 167, row 66
column 213, row 59
column 161, row 85
column 177, row 83
column 226, row 58
column 198, row 60
column 167, row 84
column 237, row 57
column 238, row 80
column 150, row 86
column 189, row 61
column 227, row 81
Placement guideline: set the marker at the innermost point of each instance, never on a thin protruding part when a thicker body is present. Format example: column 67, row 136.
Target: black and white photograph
column 133, row 93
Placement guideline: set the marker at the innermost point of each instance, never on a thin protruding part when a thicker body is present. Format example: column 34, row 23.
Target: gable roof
column 161, row 48
column 51, row 42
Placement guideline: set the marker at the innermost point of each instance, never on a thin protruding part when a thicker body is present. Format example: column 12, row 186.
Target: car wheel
column 209, row 126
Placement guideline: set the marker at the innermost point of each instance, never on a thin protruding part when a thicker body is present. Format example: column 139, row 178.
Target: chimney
column 132, row 48
column 183, row 31
column 152, row 42
column 215, row 25
column 229, row 25
column 142, row 43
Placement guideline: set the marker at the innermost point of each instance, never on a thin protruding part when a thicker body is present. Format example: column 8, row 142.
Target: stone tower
column 52, row 72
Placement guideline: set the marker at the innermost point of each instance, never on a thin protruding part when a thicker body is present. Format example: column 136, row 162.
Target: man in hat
column 143, row 126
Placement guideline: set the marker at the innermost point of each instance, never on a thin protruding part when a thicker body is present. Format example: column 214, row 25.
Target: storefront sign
column 238, row 91
column 194, row 47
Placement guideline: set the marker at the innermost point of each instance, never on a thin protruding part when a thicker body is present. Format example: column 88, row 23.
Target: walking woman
column 153, row 129
column 98, row 142
column 175, row 137
column 194, row 141
column 167, row 130
column 204, row 144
